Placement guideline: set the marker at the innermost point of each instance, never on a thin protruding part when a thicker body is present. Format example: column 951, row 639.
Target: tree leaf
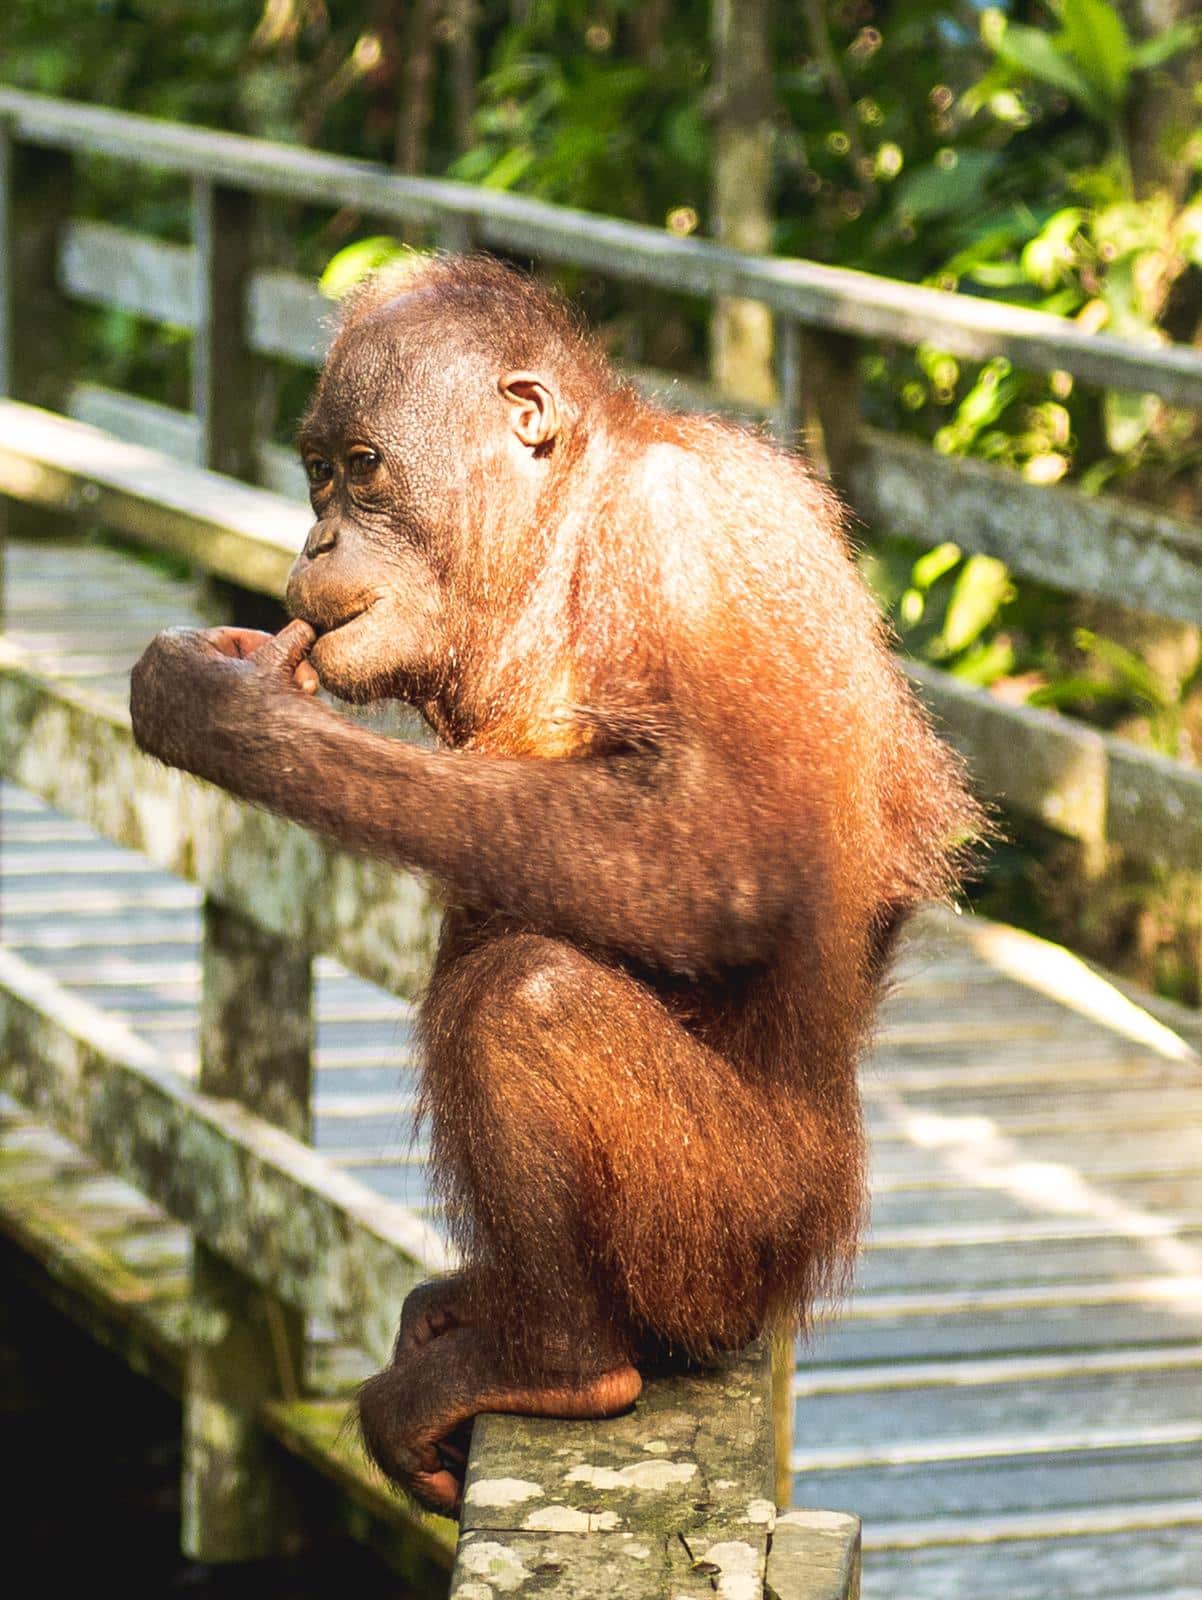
column 986, row 662
column 981, row 590
column 1072, row 690
column 1034, row 52
column 1151, row 52
column 1127, row 416
column 1095, row 34
column 344, row 269
column 939, row 190
column 1133, row 672
column 932, row 564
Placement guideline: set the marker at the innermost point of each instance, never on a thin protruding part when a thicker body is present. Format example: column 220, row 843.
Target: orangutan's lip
column 323, row 626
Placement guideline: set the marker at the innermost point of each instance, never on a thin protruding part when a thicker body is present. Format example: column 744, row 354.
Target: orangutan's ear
column 534, row 411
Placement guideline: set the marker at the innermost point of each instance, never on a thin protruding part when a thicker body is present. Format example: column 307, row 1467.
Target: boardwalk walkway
column 1012, row 1400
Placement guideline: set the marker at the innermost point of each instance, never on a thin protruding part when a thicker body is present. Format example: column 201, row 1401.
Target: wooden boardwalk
column 1012, row 1399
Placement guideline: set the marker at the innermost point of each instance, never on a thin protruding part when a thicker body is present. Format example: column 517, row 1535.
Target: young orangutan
column 683, row 803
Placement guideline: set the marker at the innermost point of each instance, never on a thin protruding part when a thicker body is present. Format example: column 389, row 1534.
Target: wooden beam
column 1114, row 549
column 674, row 1498
column 1077, row 781
column 229, row 529
column 269, row 1205
column 830, row 297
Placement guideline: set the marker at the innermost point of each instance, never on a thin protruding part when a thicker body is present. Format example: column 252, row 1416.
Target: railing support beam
column 256, row 1040
column 35, row 318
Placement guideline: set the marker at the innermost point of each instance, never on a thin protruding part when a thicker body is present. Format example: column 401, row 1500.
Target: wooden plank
column 136, row 421
column 831, row 297
column 1037, row 762
column 907, row 1206
column 1116, row 1222
column 1019, row 1261
column 104, row 265
column 176, row 434
column 1014, row 1115
column 267, row 1204
column 1110, row 1474
column 247, row 535
column 288, row 316
column 1014, row 1071
column 1179, row 1291
column 1139, row 1515
column 1158, row 1564
column 1117, row 550
column 976, row 1372
column 957, row 1145
column 920, row 1425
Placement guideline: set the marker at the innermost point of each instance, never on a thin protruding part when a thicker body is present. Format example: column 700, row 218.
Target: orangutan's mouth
column 327, row 622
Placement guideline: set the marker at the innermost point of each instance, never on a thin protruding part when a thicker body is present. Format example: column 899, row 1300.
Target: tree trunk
column 460, row 22
column 741, row 330
column 416, row 85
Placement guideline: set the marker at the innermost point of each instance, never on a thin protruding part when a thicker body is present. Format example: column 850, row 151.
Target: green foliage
column 1124, row 681
column 931, row 140
column 571, row 110
column 353, row 263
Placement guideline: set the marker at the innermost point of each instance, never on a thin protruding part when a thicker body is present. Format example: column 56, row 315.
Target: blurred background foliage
column 1044, row 152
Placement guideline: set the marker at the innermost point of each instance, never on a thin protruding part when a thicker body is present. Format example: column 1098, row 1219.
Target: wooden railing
column 1074, row 780
column 264, row 1208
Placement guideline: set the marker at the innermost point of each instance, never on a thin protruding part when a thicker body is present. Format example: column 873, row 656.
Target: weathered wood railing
column 1074, row 780
column 316, row 1241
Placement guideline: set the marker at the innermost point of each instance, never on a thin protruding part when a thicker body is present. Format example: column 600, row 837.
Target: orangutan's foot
column 413, row 1413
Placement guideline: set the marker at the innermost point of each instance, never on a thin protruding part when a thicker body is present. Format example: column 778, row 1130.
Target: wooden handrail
column 835, row 298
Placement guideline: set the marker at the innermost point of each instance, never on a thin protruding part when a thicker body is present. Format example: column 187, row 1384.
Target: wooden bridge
column 1011, row 1401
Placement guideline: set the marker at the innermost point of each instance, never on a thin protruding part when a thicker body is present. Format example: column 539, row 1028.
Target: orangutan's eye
column 318, row 471
column 362, row 463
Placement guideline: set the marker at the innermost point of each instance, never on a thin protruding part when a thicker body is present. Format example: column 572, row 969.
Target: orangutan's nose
column 323, row 536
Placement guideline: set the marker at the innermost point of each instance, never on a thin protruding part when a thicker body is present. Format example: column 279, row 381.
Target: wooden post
column 461, row 21
column 455, row 235
column 256, row 1044
column 825, row 402
column 35, row 204
column 8, row 224
column 233, row 393
column 35, row 320
column 819, row 397
column 787, row 419
column 227, row 392
column 783, row 1358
